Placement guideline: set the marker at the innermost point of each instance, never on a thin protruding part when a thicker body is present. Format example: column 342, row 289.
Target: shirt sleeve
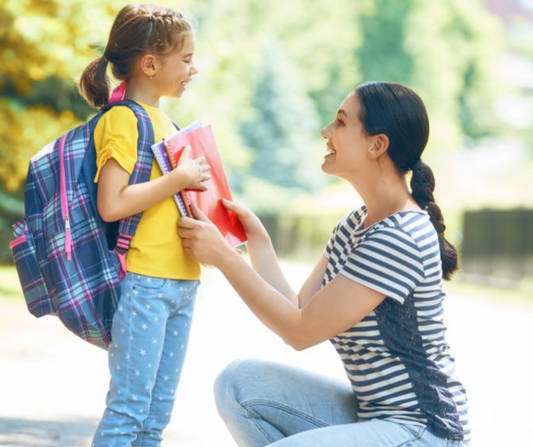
column 331, row 243
column 342, row 229
column 388, row 261
column 116, row 137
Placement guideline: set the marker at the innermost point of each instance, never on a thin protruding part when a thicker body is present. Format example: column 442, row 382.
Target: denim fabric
column 265, row 403
column 150, row 333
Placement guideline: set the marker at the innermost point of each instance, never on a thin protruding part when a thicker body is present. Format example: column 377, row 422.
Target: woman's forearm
column 278, row 312
column 265, row 263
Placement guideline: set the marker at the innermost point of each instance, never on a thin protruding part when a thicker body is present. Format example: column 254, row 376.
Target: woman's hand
column 254, row 229
column 202, row 240
column 193, row 172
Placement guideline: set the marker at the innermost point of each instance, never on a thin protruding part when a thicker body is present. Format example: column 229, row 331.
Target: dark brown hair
column 399, row 113
column 137, row 30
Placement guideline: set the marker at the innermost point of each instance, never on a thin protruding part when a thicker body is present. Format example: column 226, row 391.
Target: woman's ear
column 380, row 146
column 149, row 65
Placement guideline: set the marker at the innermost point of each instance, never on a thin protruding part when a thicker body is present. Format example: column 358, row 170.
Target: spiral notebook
column 202, row 142
column 161, row 157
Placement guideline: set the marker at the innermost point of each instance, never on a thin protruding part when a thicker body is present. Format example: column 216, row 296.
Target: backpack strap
column 141, row 172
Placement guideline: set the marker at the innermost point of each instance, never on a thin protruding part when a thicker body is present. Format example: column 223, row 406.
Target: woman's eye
column 339, row 123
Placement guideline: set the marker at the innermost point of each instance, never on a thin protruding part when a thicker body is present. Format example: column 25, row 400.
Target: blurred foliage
column 318, row 53
column 10, row 284
column 269, row 78
column 444, row 50
column 279, row 133
column 43, row 45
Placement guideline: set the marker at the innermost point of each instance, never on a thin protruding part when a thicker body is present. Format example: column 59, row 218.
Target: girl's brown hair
column 137, row 30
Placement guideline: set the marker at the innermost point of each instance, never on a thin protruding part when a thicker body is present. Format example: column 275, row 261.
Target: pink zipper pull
column 122, row 261
column 68, row 239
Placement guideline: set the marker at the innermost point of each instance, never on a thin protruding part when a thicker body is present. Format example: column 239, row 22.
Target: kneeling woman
column 376, row 294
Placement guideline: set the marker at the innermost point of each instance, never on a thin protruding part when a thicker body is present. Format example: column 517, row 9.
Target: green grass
column 9, row 283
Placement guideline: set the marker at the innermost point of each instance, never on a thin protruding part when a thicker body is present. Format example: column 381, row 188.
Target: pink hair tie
column 118, row 93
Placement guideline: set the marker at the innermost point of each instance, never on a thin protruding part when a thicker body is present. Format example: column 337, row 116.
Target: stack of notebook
column 202, row 142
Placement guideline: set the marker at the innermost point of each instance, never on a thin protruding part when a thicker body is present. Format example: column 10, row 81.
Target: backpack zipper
column 64, row 199
column 68, row 238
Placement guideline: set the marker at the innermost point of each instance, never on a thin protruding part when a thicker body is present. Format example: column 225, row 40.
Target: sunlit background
column 271, row 75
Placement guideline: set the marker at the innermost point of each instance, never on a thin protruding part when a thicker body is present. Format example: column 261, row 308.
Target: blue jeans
column 150, row 333
column 265, row 403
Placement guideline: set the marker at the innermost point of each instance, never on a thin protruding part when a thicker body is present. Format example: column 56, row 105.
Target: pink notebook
column 202, row 142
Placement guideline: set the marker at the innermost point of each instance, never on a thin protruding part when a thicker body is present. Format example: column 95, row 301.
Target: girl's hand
column 193, row 172
column 254, row 229
column 202, row 240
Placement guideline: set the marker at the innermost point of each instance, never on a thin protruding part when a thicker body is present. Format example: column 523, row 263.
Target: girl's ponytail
column 94, row 83
column 422, row 187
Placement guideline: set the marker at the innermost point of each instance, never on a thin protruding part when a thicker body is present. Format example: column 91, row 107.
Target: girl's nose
column 325, row 133
column 193, row 71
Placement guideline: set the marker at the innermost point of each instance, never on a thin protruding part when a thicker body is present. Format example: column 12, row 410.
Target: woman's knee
column 223, row 381
column 237, row 382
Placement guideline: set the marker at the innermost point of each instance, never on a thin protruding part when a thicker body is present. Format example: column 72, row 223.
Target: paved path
column 52, row 385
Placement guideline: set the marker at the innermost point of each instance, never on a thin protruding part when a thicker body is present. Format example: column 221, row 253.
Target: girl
column 150, row 48
column 376, row 294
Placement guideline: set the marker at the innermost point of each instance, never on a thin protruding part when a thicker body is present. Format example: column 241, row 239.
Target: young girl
column 151, row 49
column 376, row 294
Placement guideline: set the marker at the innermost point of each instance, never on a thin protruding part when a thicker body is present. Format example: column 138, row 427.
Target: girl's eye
column 339, row 122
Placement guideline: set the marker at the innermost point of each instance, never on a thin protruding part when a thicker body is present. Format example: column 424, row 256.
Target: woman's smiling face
column 347, row 142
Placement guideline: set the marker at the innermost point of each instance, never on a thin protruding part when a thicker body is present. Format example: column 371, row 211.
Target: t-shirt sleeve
column 342, row 230
column 115, row 136
column 389, row 261
column 330, row 246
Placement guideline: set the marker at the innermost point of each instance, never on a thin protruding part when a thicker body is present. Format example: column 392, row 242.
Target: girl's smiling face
column 177, row 70
column 347, row 143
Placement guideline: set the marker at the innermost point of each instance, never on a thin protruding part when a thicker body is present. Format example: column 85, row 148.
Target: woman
column 376, row 293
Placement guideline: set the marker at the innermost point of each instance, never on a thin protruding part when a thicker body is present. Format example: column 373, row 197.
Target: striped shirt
column 397, row 358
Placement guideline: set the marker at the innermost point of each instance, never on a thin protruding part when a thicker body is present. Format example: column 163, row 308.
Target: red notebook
column 202, row 142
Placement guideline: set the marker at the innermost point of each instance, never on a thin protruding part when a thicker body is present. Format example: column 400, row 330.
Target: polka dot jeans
column 150, row 334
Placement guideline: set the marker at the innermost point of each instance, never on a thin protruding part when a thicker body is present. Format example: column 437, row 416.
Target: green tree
column 279, row 134
column 444, row 50
column 42, row 45
column 382, row 54
column 284, row 120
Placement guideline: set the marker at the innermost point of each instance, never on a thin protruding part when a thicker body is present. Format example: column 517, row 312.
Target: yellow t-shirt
column 156, row 248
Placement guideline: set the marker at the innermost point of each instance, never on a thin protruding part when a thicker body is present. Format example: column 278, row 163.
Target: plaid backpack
column 69, row 261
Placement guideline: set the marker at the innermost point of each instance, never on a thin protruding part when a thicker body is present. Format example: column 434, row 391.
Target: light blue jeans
column 264, row 403
column 150, row 334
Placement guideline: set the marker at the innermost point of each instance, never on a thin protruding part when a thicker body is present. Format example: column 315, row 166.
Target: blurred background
column 272, row 74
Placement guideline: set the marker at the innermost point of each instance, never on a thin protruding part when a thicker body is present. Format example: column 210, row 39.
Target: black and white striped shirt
column 397, row 358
